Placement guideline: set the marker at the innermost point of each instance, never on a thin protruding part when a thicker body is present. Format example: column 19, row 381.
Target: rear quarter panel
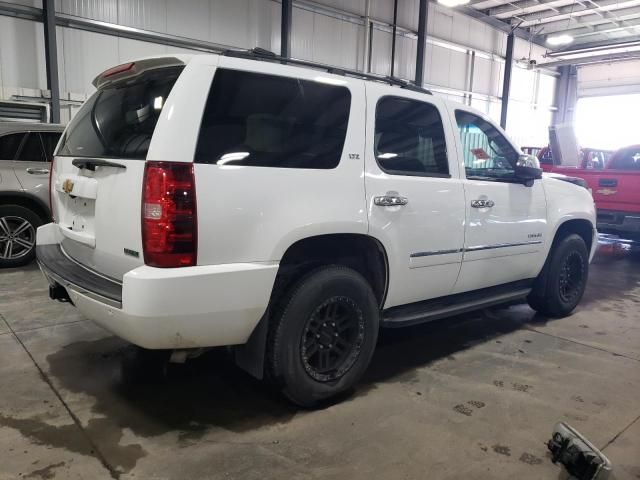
column 253, row 214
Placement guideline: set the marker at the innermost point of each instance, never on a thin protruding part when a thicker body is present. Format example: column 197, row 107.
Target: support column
column 285, row 28
column 51, row 57
column 393, row 35
column 423, row 17
column 566, row 95
column 506, row 85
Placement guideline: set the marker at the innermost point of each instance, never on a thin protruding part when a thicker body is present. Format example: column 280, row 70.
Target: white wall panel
column 437, row 70
column 382, row 10
column 408, row 11
column 405, row 58
column 86, row 54
column 146, row 14
column 483, row 81
column 351, row 6
column 191, row 22
column 28, row 3
column 381, row 53
column 22, row 54
column 103, row 10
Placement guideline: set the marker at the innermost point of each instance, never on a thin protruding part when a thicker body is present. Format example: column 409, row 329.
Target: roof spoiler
column 133, row 69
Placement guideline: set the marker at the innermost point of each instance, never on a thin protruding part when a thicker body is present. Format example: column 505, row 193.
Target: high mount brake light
column 169, row 219
column 125, row 67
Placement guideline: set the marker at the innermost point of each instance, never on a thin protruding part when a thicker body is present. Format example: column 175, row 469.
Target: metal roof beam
column 500, row 25
column 518, row 6
column 576, row 23
column 577, row 10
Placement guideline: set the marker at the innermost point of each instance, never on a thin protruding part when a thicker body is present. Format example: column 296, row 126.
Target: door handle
column 38, row 171
column 391, row 199
column 482, row 203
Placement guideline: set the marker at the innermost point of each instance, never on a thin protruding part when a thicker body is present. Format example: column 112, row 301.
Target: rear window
column 119, row 120
column 627, row 159
column 272, row 121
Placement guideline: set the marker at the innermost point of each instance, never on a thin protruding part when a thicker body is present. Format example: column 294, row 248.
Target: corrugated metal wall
column 325, row 32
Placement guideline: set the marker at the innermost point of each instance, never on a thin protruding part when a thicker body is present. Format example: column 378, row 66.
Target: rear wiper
column 92, row 163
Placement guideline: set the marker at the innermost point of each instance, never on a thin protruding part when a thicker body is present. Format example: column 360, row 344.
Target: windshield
column 119, row 120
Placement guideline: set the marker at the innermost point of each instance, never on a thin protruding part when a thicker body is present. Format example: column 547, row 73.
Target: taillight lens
column 169, row 220
column 51, row 167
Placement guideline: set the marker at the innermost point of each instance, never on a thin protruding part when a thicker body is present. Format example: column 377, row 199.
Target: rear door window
column 31, row 150
column 118, row 120
column 409, row 138
column 9, row 145
column 273, row 121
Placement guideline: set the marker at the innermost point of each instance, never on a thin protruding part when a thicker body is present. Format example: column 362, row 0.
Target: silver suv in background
column 26, row 151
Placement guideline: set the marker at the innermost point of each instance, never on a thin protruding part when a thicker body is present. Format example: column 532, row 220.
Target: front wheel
column 17, row 235
column 566, row 278
column 323, row 335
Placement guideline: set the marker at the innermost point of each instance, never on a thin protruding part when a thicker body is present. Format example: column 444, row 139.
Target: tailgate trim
column 56, row 266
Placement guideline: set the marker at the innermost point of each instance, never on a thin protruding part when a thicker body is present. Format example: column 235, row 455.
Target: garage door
column 609, row 79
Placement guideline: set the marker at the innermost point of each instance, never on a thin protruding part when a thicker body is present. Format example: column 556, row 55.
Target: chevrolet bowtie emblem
column 67, row 186
column 606, row 191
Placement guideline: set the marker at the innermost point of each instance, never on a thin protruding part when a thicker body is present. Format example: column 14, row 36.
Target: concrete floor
column 472, row 397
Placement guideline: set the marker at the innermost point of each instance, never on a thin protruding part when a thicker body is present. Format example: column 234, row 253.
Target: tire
column 566, row 273
column 311, row 357
column 14, row 249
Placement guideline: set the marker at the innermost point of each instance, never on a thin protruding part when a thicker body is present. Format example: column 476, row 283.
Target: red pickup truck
column 615, row 188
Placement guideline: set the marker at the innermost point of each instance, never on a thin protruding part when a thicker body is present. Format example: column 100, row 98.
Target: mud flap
column 250, row 356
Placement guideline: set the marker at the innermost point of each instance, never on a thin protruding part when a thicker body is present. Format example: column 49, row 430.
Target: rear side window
column 32, row 149
column 9, row 145
column 119, row 120
column 272, row 121
column 626, row 159
column 409, row 138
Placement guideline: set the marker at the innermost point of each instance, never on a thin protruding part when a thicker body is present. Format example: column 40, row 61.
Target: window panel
column 273, row 121
column 9, row 145
column 409, row 138
column 487, row 153
column 31, row 149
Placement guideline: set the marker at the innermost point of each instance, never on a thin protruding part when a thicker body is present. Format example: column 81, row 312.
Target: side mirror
column 528, row 169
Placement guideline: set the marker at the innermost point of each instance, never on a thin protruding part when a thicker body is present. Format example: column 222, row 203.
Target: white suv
column 291, row 212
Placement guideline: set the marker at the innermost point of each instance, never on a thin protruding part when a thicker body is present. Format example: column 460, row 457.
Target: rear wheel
column 17, row 235
column 566, row 272
column 323, row 335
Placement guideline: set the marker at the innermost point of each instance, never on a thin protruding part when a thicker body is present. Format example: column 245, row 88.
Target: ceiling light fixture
column 453, row 3
column 558, row 40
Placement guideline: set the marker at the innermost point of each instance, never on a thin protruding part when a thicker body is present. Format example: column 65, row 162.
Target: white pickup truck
column 291, row 211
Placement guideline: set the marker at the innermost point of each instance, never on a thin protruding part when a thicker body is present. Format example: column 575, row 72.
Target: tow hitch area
column 58, row 292
column 582, row 460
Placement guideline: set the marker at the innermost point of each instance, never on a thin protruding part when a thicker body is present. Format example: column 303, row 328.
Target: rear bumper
column 611, row 221
column 157, row 308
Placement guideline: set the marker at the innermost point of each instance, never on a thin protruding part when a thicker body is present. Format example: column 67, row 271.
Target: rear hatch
column 97, row 175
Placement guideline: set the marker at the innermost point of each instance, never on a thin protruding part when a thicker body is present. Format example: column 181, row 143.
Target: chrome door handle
column 482, row 203
column 391, row 199
column 38, row 171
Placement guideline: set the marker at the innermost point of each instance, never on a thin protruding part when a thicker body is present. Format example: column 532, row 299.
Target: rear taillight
column 51, row 167
column 169, row 220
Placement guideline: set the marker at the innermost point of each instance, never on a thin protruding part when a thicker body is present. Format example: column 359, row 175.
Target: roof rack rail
column 268, row 56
